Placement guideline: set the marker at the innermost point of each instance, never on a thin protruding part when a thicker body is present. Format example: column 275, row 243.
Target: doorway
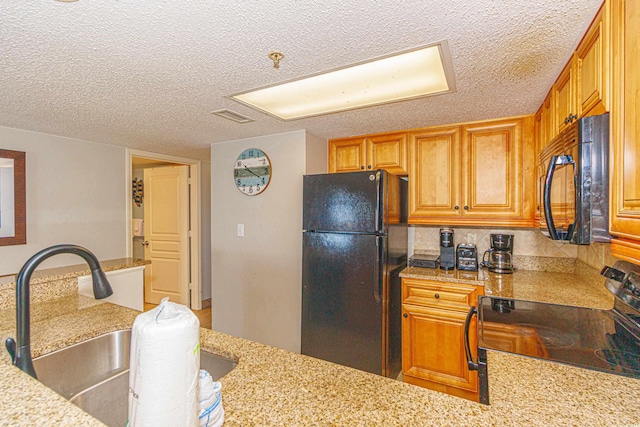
column 175, row 247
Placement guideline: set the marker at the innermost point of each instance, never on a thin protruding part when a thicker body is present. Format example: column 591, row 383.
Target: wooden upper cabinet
column 434, row 171
column 565, row 106
column 582, row 88
column 347, row 154
column 625, row 130
column 592, row 67
column 492, row 177
column 477, row 174
column 547, row 122
column 388, row 152
column 383, row 151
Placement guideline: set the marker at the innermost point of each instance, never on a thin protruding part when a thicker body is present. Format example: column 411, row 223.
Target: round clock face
column 252, row 171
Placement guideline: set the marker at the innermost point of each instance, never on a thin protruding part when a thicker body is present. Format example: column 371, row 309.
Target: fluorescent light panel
column 410, row 74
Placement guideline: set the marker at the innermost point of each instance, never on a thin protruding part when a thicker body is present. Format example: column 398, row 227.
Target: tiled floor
column 204, row 315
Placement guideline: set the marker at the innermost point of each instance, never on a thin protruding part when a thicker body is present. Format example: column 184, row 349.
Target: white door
column 166, row 223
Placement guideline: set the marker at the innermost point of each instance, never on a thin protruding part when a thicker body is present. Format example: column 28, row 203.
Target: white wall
column 75, row 194
column 256, row 279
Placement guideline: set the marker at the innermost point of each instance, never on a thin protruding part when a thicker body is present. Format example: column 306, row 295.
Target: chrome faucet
column 21, row 351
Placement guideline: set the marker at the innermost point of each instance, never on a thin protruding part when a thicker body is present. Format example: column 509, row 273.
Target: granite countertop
column 52, row 283
column 582, row 289
column 274, row 387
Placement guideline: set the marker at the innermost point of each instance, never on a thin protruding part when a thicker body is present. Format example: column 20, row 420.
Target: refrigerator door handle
column 378, row 273
column 380, row 208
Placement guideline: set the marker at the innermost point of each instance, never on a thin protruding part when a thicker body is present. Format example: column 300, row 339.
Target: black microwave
column 574, row 183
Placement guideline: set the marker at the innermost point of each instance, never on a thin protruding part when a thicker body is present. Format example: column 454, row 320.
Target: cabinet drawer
column 440, row 294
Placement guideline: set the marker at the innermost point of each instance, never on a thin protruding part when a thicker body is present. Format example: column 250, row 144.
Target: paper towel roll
column 165, row 362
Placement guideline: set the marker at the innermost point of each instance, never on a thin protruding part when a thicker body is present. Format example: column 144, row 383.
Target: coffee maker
column 499, row 259
column 447, row 250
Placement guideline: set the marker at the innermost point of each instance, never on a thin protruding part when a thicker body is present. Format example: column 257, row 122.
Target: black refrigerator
column 354, row 247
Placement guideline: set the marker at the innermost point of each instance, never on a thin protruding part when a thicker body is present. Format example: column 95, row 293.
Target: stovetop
column 603, row 340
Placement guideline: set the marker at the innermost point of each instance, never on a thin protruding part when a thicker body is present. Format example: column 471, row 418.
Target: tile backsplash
column 526, row 242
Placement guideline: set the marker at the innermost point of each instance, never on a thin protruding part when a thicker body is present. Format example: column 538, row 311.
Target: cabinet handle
column 362, row 167
column 369, row 167
column 466, row 208
column 436, row 296
column 566, row 120
column 456, row 207
column 572, row 117
column 405, row 315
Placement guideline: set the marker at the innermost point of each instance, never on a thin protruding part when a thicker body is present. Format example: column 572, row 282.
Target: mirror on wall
column 13, row 215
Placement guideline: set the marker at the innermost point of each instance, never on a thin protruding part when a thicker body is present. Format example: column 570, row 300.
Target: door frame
column 195, row 287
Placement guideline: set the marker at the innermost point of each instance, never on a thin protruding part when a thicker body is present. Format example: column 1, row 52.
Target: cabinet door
column 347, row 155
column 493, row 165
column 547, row 121
column 434, row 172
column 563, row 93
column 388, row 152
column 433, row 352
column 625, row 218
column 592, row 66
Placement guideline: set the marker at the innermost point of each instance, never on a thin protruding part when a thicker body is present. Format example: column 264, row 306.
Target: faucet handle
column 10, row 343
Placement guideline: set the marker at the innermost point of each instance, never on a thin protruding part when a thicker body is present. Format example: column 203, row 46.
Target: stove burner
column 550, row 337
column 622, row 361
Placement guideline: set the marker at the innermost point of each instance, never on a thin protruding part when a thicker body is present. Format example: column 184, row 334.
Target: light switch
column 240, row 230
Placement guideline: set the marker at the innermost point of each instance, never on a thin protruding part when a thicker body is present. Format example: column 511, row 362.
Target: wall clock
column 252, row 171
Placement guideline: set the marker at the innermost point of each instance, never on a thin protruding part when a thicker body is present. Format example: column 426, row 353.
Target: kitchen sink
column 94, row 374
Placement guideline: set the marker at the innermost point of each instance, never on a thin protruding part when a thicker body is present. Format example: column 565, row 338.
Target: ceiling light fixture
column 406, row 75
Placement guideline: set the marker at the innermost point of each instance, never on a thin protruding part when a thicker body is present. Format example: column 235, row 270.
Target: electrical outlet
column 471, row 238
column 240, row 230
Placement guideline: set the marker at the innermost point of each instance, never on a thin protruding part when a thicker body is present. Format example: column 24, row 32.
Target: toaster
column 466, row 257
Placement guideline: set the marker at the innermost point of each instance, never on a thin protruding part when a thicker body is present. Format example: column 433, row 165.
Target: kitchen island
column 274, row 387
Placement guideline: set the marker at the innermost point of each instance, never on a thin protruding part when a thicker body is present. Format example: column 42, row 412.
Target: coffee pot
column 499, row 259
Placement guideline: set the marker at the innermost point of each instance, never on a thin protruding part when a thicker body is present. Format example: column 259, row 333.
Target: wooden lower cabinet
column 433, row 352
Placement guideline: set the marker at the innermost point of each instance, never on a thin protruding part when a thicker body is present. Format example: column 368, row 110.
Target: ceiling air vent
column 232, row 115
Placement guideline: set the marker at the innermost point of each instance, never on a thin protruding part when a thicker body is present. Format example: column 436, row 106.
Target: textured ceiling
column 147, row 73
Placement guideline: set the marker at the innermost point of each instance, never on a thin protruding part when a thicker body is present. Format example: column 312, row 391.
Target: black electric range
column 602, row 340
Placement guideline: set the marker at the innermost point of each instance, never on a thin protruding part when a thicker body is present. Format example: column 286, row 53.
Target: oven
column 602, row 340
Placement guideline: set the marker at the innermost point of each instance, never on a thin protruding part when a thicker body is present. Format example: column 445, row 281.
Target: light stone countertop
column 274, row 387
column 582, row 289
column 58, row 282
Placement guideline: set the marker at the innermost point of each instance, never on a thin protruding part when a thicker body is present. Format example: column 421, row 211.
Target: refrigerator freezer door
column 344, row 202
column 342, row 320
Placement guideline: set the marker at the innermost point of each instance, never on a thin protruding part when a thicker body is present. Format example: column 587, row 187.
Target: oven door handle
column 467, row 346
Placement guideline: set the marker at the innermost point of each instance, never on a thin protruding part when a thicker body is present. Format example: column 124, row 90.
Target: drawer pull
column 405, row 315
column 437, row 296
